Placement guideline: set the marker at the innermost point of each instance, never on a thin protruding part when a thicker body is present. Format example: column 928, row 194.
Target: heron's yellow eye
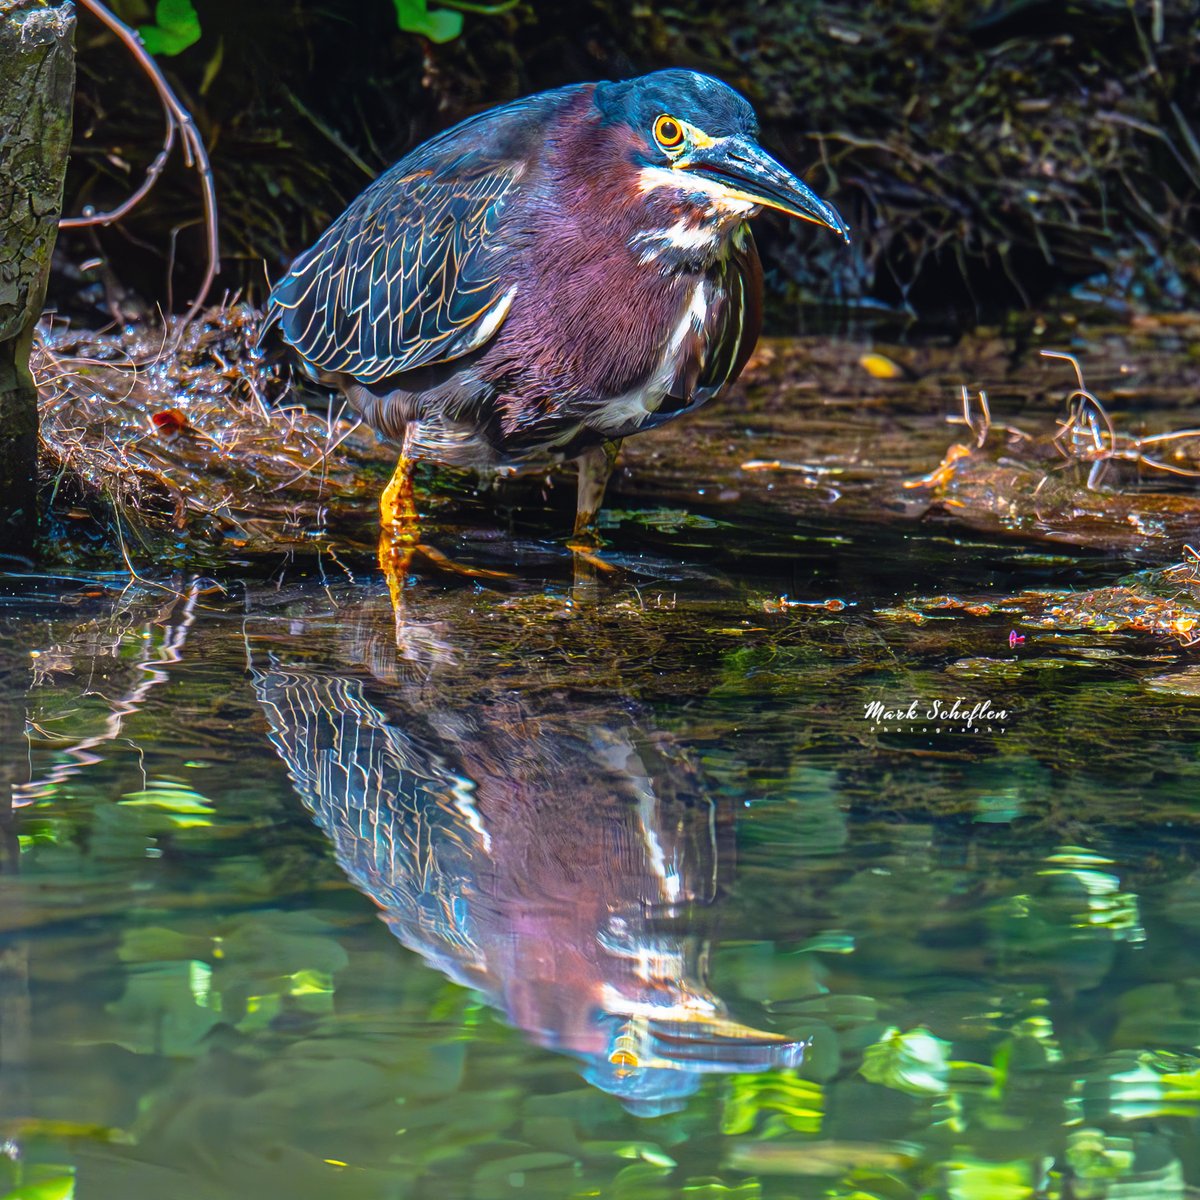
column 668, row 132
column 625, row 1061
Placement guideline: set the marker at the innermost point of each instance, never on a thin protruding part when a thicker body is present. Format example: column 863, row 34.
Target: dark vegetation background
column 987, row 155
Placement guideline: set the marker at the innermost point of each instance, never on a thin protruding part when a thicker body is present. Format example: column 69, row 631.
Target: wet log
column 37, row 86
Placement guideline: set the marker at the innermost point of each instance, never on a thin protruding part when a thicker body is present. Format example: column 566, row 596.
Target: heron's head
column 694, row 142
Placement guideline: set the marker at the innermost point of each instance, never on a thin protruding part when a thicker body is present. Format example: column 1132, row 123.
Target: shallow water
column 665, row 911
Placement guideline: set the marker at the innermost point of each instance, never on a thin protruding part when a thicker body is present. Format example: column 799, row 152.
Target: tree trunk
column 37, row 86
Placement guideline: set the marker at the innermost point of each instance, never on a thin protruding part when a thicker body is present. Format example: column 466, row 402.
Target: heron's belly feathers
column 560, row 377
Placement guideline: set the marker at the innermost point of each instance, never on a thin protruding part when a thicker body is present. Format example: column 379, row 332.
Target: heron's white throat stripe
column 683, row 235
column 682, row 180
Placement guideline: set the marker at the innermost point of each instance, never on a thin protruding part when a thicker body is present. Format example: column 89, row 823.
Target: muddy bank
column 211, row 443
column 205, row 456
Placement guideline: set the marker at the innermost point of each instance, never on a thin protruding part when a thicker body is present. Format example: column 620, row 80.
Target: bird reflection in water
column 551, row 856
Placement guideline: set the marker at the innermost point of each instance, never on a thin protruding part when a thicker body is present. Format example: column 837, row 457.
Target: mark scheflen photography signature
column 939, row 715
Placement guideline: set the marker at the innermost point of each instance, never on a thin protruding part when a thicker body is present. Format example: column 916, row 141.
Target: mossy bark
column 37, row 87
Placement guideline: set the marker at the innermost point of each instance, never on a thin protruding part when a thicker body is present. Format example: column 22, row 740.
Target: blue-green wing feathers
column 414, row 271
column 410, row 274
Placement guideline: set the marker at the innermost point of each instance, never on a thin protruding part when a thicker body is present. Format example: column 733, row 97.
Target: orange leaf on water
column 169, row 422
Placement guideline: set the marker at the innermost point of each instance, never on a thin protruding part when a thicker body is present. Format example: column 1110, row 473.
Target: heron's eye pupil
column 668, row 131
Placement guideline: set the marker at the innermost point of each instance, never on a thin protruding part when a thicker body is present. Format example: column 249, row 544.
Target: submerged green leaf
column 169, row 797
column 788, row 1103
column 707, row 1187
column 913, row 1062
column 665, row 520
column 647, row 1152
column 1095, row 1156
column 57, row 1187
column 989, row 1181
column 166, row 1008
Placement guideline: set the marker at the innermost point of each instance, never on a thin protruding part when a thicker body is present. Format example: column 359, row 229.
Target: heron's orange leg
column 398, row 503
column 398, row 521
column 400, row 537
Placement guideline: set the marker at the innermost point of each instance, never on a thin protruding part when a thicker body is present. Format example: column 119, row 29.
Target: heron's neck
column 603, row 199
column 686, row 222
column 684, row 239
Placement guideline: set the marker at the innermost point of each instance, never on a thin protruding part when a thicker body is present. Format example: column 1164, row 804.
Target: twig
column 1081, row 434
column 90, row 217
column 322, row 460
column 331, row 134
column 194, row 153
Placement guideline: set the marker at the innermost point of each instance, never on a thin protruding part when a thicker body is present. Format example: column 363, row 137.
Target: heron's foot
column 585, row 551
column 445, row 563
column 400, row 545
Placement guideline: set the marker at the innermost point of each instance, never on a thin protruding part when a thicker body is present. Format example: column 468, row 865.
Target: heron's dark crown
column 689, row 96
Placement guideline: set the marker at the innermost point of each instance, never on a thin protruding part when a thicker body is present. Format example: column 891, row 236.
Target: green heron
column 545, row 279
column 549, row 858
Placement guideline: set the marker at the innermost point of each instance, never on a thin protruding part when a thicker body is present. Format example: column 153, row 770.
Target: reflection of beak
column 743, row 170
column 701, row 1042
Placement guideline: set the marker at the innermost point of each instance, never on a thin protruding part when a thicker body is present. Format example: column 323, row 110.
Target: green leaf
column 787, row 1102
column 647, row 1152
column 1093, row 1156
column 413, row 16
column 664, row 520
column 914, row 1062
column 60, row 1187
column 176, row 28
column 973, row 1180
column 706, row 1187
column 169, row 797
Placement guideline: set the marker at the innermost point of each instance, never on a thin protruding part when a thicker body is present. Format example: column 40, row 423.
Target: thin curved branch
column 153, row 171
column 194, row 153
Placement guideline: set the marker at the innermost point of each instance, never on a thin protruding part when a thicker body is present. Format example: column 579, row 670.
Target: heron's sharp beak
column 744, row 171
